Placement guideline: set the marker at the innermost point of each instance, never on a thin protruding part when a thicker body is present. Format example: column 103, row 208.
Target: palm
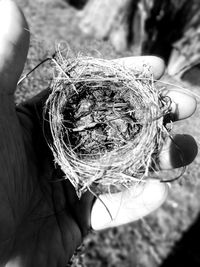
column 46, row 221
column 37, row 223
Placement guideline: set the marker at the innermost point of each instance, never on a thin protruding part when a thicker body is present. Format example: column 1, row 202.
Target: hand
column 41, row 222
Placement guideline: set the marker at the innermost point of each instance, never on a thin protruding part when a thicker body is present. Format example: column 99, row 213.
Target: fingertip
column 128, row 206
column 183, row 150
column 156, row 64
column 178, row 151
column 183, row 104
column 154, row 195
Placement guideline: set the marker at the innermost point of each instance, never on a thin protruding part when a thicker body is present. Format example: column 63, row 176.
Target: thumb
column 14, row 43
column 132, row 204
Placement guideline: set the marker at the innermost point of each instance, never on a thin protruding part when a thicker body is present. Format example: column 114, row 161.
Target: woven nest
column 106, row 122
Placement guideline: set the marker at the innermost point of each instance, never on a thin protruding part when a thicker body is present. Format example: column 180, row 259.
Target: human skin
column 42, row 223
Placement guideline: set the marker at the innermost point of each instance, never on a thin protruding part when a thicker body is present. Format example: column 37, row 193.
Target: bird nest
column 106, row 122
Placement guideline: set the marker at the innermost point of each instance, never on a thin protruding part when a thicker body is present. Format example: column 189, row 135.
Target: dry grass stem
column 106, row 122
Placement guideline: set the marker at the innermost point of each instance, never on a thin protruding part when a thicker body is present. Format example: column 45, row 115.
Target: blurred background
column 117, row 28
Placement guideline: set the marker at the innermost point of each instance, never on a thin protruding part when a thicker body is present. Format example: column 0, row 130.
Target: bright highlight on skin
column 129, row 205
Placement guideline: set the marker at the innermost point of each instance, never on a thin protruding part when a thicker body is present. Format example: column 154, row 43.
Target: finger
column 14, row 43
column 81, row 208
column 157, row 64
column 178, row 151
column 182, row 106
column 128, row 206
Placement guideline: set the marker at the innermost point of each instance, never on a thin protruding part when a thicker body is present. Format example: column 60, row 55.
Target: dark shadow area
column 186, row 251
column 130, row 18
column 165, row 25
column 192, row 75
column 79, row 4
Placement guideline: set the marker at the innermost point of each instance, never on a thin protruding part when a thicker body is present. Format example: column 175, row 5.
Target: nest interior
column 106, row 122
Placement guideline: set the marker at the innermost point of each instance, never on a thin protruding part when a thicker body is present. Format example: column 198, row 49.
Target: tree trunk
column 147, row 26
column 109, row 20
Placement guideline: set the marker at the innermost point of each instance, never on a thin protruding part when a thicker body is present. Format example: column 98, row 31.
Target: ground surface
column 146, row 243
